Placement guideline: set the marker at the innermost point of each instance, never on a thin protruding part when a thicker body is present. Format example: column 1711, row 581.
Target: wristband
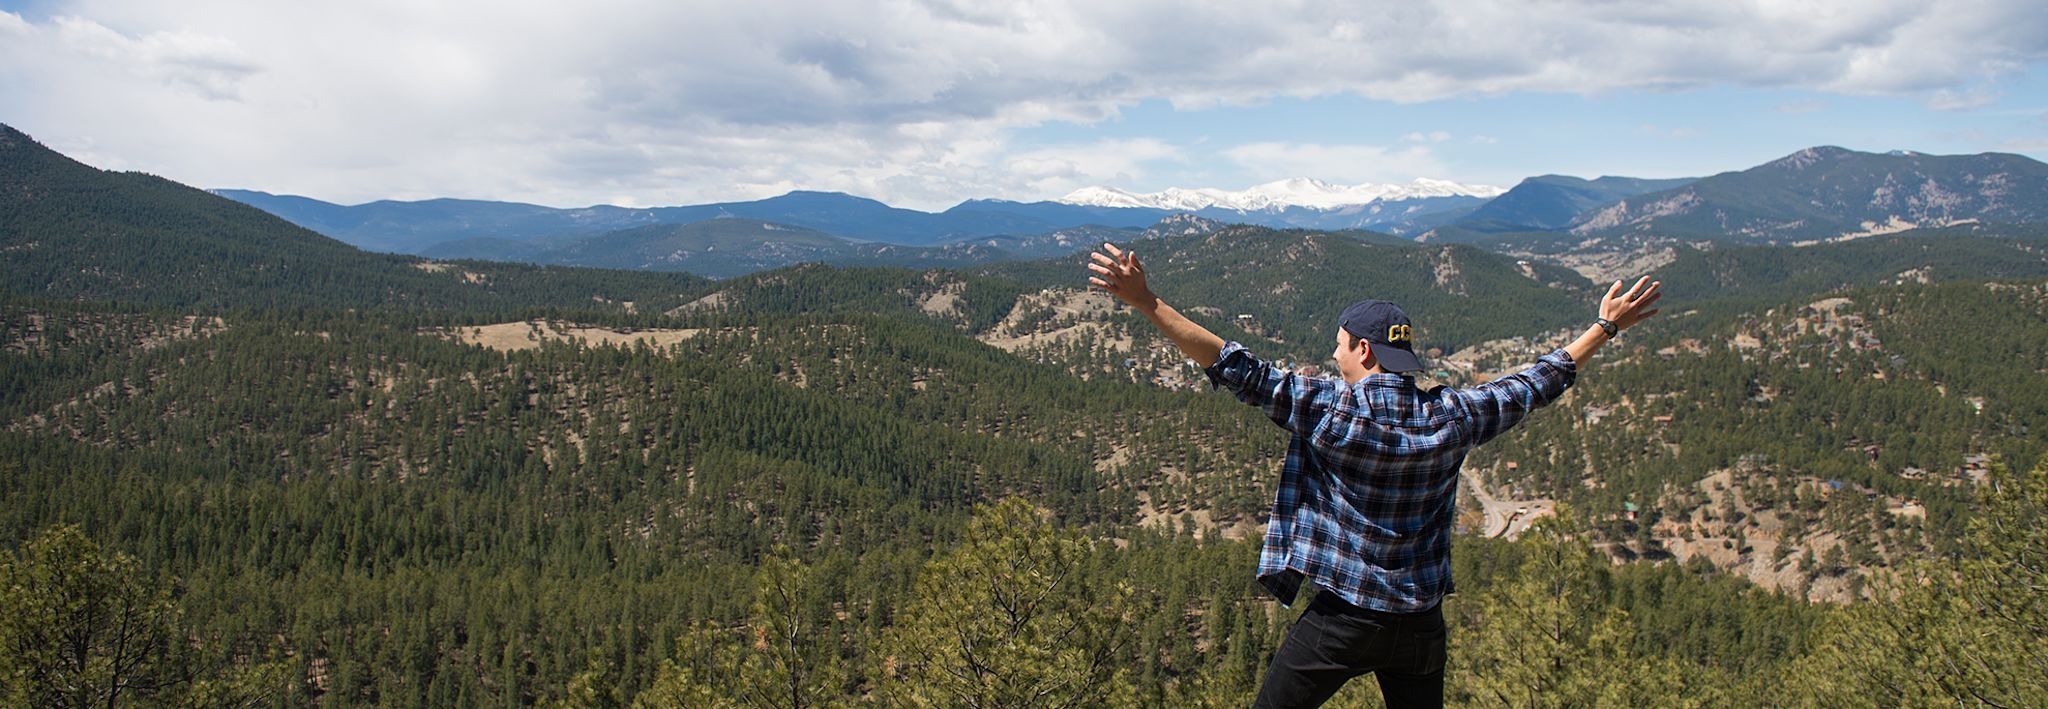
column 1612, row 329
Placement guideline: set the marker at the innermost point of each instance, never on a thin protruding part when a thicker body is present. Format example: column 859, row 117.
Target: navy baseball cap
column 1388, row 329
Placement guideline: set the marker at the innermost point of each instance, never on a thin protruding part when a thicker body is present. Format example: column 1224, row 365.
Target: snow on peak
column 1275, row 196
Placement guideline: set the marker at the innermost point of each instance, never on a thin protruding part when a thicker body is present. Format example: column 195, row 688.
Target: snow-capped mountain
column 1275, row 196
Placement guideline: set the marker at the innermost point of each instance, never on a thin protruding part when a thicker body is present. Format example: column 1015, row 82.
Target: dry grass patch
column 944, row 302
column 529, row 334
column 1083, row 310
column 709, row 302
column 466, row 275
column 1605, row 267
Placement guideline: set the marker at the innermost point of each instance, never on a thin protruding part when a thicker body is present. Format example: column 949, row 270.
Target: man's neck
column 1376, row 369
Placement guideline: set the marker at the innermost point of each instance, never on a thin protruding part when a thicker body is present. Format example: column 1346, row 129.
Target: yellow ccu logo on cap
column 1399, row 333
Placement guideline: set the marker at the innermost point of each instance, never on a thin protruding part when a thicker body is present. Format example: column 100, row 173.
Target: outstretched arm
column 1295, row 402
column 1496, row 406
column 1622, row 309
column 1120, row 273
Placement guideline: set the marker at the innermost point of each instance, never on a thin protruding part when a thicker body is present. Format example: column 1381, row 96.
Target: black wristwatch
column 1612, row 329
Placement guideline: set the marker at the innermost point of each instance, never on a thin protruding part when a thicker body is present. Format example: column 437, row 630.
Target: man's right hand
column 1624, row 309
column 1120, row 273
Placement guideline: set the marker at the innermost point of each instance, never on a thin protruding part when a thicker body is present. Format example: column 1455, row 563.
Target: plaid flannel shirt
column 1370, row 486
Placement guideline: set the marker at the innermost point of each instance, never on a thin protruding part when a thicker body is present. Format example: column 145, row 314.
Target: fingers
column 1639, row 309
column 1110, row 278
column 1636, row 310
column 1642, row 293
column 1635, row 291
column 1113, row 250
column 1110, row 270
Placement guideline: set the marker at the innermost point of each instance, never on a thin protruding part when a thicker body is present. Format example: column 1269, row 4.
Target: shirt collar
column 1387, row 379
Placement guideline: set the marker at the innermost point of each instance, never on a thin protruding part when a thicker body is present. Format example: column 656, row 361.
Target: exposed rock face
column 1828, row 193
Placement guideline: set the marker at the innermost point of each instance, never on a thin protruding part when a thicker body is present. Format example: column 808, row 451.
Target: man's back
column 1369, row 489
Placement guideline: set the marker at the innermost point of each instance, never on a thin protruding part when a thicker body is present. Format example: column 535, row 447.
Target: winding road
column 1504, row 518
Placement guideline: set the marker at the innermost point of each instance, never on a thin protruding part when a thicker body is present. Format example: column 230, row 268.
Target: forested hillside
column 1809, row 443
column 398, row 517
column 72, row 232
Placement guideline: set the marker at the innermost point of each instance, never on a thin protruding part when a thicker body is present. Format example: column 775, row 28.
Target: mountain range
column 442, row 226
column 1813, row 195
column 446, row 226
column 414, row 227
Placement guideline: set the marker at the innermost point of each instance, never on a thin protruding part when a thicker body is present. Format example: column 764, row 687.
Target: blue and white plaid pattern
column 1370, row 487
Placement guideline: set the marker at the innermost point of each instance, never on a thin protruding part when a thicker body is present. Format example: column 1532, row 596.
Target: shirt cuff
column 1563, row 361
column 1226, row 373
column 1560, row 358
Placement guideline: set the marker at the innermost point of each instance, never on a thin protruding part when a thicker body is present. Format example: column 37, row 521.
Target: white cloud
column 1063, row 169
column 1970, row 98
column 1435, row 136
column 208, row 66
column 910, row 101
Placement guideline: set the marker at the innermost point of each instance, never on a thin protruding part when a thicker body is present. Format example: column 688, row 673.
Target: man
column 1370, row 484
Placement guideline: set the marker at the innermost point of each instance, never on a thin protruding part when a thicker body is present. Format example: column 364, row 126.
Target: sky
column 926, row 103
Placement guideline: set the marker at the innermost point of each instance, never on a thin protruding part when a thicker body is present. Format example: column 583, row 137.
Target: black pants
column 1335, row 641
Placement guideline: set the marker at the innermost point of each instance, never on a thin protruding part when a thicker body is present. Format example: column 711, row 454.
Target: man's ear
column 1370, row 359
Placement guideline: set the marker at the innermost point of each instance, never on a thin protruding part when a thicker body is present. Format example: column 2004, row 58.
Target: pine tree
column 84, row 627
column 1548, row 638
column 1011, row 617
column 787, row 655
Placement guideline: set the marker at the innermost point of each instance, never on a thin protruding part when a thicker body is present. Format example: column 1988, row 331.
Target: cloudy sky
column 923, row 103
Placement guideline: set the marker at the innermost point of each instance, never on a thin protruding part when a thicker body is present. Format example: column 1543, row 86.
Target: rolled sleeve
column 1295, row 402
column 1496, row 406
column 1232, row 365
